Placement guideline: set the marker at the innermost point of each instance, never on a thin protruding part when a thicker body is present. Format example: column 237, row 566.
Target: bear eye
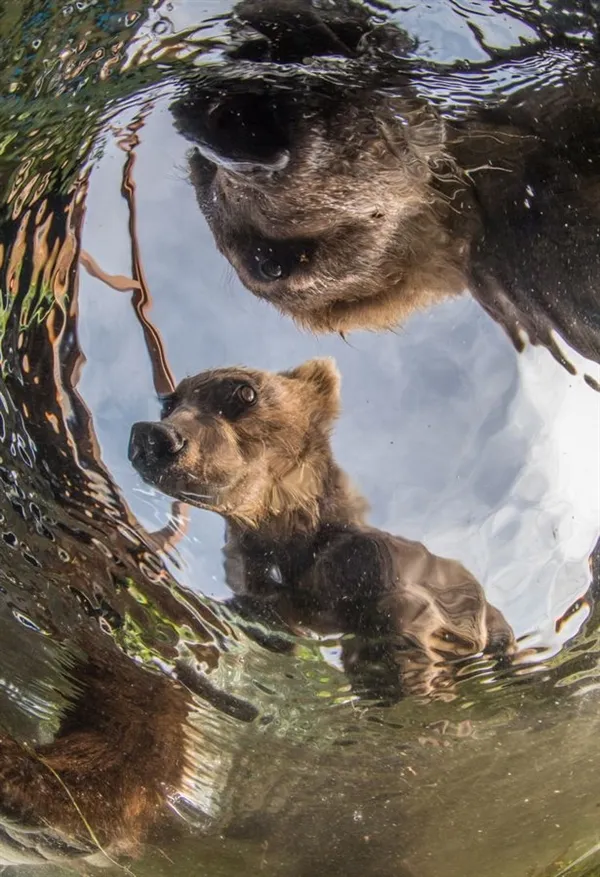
column 246, row 394
column 270, row 269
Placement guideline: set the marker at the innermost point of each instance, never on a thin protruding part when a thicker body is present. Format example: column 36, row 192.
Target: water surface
column 127, row 648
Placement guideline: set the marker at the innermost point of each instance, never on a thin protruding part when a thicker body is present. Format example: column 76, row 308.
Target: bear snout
column 152, row 444
column 242, row 133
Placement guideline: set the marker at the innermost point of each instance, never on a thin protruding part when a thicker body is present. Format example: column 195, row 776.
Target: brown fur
column 263, row 468
column 374, row 205
column 102, row 782
column 374, row 239
column 299, row 551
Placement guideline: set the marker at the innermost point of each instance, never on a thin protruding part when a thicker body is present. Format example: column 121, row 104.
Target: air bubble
column 162, row 26
column 26, row 621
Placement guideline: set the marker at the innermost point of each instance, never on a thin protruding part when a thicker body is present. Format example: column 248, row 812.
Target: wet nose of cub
column 152, row 443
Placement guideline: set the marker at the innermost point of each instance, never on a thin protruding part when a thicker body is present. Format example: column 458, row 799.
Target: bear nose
column 153, row 442
column 244, row 133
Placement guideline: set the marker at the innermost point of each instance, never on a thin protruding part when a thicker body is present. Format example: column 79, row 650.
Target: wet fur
column 102, row 782
column 299, row 553
column 386, row 206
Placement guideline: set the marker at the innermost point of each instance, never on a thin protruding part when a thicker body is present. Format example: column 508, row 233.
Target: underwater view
column 300, row 438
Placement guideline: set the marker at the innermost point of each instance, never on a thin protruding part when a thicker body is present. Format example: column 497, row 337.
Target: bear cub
column 254, row 446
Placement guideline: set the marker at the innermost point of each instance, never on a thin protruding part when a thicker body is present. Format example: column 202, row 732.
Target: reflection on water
column 319, row 696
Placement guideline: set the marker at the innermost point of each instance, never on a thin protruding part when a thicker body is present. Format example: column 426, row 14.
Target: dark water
column 149, row 721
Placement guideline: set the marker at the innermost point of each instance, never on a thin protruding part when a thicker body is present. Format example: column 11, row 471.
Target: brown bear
column 98, row 786
column 351, row 196
column 254, row 446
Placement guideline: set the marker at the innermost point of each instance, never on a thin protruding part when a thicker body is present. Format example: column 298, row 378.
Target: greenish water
column 198, row 750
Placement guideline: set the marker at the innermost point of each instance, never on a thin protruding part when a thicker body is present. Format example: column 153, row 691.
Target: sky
column 485, row 455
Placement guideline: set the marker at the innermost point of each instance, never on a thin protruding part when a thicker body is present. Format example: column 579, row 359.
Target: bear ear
column 324, row 380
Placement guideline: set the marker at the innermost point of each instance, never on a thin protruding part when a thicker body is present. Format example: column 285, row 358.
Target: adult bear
column 350, row 186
